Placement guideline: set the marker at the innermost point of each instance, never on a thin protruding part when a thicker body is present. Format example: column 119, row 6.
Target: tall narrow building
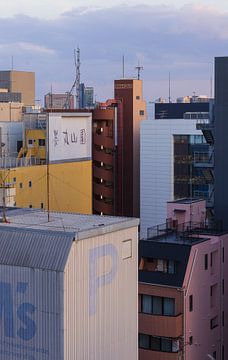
column 221, row 144
column 129, row 92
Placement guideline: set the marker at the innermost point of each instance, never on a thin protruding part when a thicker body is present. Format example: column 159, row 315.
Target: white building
column 157, row 167
column 68, row 287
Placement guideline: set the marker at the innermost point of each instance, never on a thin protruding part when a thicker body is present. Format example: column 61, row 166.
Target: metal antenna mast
column 139, row 69
column 77, row 64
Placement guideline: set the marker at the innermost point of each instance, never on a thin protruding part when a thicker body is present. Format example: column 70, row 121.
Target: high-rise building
column 88, row 97
column 129, row 93
column 19, row 82
column 108, row 158
column 68, row 286
column 221, row 144
column 182, row 293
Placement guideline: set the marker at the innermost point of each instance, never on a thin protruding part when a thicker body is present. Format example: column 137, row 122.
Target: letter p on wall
column 97, row 280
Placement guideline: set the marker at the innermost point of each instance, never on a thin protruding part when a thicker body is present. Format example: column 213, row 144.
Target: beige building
column 10, row 111
column 22, row 82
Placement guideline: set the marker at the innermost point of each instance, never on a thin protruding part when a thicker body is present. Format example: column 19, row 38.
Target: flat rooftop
column 185, row 201
column 174, row 238
column 82, row 226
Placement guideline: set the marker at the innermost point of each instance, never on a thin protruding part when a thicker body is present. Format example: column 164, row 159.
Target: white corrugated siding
column 110, row 333
column 42, row 290
column 156, row 167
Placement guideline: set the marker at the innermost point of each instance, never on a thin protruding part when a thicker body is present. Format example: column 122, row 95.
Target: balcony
column 101, row 189
column 157, row 355
column 103, row 139
column 102, row 173
column 101, row 206
column 102, row 156
column 157, row 325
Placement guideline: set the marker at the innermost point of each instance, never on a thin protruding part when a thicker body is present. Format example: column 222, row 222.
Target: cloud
column 164, row 38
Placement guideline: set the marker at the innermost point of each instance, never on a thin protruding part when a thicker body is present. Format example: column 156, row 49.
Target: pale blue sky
column 50, row 9
column 180, row 37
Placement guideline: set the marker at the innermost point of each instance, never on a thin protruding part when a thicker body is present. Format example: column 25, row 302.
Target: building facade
column 21, row 82
column 62, row 290
column 170, row 149
column 59, row 101
column 220, row 131
column 182, row 293
column 53, row 167
column 129, row 92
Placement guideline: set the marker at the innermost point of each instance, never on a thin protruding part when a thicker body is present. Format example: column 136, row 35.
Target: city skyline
column 182, row 40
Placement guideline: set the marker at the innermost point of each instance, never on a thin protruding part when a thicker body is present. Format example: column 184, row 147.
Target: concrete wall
column 156, row 167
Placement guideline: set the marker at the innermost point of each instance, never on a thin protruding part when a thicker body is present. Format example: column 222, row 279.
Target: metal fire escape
column 205, row 161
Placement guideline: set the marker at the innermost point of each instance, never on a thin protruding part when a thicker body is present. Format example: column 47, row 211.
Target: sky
column 177, row 36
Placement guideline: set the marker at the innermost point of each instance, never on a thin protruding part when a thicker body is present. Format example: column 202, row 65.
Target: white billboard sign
column 70, row 136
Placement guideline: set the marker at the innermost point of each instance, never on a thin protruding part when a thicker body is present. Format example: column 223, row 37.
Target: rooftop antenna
column 12, row 62
column 169, row 88
column 139, row 69
column 77, row 65
column 123, row 63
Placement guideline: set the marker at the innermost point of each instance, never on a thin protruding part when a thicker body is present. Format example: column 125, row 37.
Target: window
column 137, row 97
column 191, row 340
column 190, row 302
column 41, row 142
column 156, row 305
column 30, row 184
column 214, row 322
column 168, row 306
column 214, row 294
column 42, row 205
column 141, row 112
column 30, row 206
column 206, row 261
column 21, row 185
column 14, row 179
column 166, row 345
column 127, row 249
column 214, row 355
column 144, row 341
column 156, row 343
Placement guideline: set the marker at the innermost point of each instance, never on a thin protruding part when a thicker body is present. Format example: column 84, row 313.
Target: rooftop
column 185, row 201
column 83, row 226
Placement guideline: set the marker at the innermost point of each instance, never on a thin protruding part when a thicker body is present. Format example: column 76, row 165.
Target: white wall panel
column 156, row 167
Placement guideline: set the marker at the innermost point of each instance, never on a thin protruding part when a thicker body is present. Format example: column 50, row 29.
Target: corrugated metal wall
column 100, row 298
column 31, row 314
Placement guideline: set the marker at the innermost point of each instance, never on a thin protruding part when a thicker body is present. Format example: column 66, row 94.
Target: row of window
column 157, row 305
column 158, row 343
column 29, row 184
column 41, row 142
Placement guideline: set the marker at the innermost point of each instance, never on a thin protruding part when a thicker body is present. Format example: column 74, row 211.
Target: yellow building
column 64, row 186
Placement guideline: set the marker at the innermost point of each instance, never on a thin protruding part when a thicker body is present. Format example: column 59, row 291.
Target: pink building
column 182, row 293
